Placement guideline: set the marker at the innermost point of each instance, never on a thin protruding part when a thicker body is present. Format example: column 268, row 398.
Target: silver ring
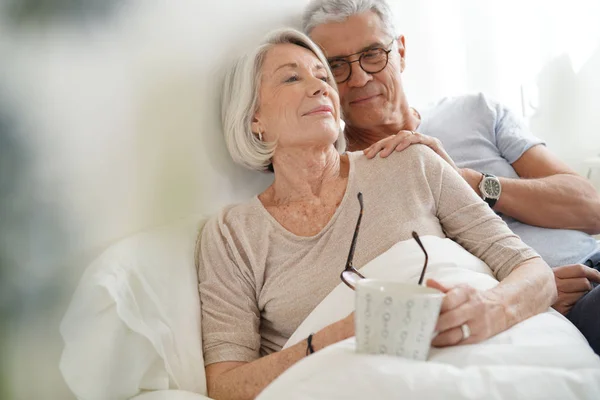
column 466, row 331
column 412, row 132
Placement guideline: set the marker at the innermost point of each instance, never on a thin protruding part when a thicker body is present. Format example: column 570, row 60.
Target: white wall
column 118, row 120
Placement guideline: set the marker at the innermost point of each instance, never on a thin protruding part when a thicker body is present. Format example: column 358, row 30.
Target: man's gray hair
column 240, row 100
column 319, row 12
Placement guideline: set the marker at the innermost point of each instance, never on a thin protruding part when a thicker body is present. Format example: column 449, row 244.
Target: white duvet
column 119, row 341
column 544, row 357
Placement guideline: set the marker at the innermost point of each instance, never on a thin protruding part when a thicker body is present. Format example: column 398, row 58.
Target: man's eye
column 370, row 54
column 336, row 65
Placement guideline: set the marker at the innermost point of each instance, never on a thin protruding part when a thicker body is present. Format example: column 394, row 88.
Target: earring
column 259, row 136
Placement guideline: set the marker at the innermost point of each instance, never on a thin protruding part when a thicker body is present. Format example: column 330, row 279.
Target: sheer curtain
column 541, row 58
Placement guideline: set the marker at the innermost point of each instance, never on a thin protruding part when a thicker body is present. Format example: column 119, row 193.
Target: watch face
column 491, row 188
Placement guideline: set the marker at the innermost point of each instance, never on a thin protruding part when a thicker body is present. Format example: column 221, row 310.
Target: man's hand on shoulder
column 572, row 282
column 403, row 139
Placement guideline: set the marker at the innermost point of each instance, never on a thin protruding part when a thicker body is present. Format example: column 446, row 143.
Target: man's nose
column 358, row 77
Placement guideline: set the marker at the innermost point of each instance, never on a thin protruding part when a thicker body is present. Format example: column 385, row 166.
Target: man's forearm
column 528, row 290
column 559, row 201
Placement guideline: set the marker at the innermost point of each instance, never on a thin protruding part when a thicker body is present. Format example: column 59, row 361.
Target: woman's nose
column 318, row 88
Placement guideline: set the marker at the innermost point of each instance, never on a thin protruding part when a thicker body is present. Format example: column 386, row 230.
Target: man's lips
column 320, row 109
column 363, row 99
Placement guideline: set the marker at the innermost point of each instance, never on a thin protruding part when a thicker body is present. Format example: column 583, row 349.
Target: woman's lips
column 320, row 110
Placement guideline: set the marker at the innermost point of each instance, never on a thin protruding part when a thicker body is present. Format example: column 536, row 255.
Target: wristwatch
column 490, row 189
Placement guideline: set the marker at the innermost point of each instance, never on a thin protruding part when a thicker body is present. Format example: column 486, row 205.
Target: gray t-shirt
column 485, row 136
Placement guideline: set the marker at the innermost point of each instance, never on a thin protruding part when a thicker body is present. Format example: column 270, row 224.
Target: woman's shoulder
column 414, row 157
column 238, row 218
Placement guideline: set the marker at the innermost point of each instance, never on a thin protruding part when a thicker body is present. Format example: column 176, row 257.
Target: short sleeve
column 469, row 221
column 513, row 138
column 230, row 315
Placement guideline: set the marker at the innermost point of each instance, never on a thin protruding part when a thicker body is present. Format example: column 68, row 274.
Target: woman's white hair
column 240, row 101
column 319, row 12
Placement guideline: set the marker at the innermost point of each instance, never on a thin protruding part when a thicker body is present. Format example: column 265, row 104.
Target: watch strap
column 491, row 202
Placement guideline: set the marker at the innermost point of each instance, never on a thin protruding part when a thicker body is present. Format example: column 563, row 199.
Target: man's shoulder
column 461, row 104
column 454, row 118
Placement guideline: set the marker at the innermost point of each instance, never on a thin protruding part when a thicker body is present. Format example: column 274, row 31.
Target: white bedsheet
column 543, row 357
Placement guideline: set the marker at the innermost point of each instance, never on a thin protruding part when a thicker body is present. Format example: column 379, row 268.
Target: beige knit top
column 258, row 281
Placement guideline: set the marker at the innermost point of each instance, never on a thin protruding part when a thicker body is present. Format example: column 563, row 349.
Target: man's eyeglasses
column 350, row 276
column 371, row 61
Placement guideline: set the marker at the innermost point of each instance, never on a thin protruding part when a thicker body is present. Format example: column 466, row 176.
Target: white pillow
column 170, row 395
column 134, row 321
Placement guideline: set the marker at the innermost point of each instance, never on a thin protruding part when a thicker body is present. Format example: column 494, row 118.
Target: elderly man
column 540, row 198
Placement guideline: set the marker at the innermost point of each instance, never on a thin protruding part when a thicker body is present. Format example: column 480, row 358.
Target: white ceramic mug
column 395, row 318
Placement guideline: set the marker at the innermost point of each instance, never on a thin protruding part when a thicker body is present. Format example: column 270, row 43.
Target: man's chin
column 364, row 119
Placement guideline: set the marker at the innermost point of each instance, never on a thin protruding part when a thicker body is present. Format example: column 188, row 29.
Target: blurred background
column 109, row 124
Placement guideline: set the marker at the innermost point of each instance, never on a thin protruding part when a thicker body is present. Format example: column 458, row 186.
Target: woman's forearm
column 248, row 380
column 528, row 290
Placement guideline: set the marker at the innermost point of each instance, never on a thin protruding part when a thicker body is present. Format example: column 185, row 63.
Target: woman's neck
column 301, row 175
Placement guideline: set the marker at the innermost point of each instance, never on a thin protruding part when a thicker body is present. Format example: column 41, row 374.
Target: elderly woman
column 264, row 265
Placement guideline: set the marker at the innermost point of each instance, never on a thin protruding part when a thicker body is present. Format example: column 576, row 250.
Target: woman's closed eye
column 296, row 78
column 293, row 78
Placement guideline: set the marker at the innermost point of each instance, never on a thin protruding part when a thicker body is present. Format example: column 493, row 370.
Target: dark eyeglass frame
column 359, row 61
column 350, row 273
